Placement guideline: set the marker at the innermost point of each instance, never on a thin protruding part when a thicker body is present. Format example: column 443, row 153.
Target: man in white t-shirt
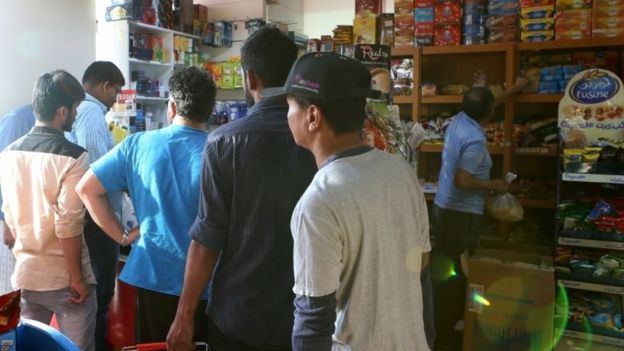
column 360, row 230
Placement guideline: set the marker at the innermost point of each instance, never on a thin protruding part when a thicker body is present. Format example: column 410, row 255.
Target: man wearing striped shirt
column 102, row 81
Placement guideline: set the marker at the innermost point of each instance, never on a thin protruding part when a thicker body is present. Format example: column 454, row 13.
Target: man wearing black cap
column 253, row 175
column 360, row 230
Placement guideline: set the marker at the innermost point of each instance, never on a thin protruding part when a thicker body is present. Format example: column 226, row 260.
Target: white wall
column 42, row 35
column 320, row 17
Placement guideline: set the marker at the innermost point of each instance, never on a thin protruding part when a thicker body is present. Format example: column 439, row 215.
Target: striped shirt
column 38, row 178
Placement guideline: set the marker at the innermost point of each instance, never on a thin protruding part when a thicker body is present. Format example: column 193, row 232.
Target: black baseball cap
column 326, row 76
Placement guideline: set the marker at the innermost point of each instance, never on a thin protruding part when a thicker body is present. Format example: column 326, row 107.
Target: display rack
column 501, row 63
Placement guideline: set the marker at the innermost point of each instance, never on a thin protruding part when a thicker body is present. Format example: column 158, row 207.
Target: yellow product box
column 608, row 33
column 573, row 35
column 573, row 4
column 365, row 28
column 537, row 24
column 609, row 11
column 537, row 36
column 608, row 22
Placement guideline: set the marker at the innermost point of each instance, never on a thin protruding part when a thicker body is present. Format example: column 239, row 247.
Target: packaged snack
column 606, row 2
column 503, row 36
column 385, row 29
column 537, row 24
column 502, row 21
column 423, row 3
column 534, row 3
column 473, row 31
column 372, row 6
column 327, row 43
column 573, row 4
column 403, row 41
column 424, row 14
column 447, row 13
column 570, row 70
column 9, row 311
column 608, row 22
column 404, row 21
column 548, row 88
column 537, row 11
column 551, row 73
column 573, row 25
column 573, row 14
column 365, row 28
column 428, row 89
column 601, row 208
column 609, row 11
column 447, row 35
column 503, row 7
column 608, row 33
column 424, row 40
column 423, row 29
column 537, row 36
column 403, row 7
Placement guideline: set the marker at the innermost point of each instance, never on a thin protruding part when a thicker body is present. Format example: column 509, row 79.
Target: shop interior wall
column 321, row 16
column 38, row 36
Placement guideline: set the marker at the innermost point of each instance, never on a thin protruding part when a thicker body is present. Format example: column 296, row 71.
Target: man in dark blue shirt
column 253, row 175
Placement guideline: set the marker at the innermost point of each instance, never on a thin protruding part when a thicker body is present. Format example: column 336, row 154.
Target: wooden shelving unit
column 501, row 62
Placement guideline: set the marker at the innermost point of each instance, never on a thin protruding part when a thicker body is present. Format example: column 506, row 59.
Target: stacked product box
column 474, row 20
column 608, row 19
column 573, row 19
column 423, row 22
column 537, row 22
column 403, row 23
column 503, row 21
column 447, row 23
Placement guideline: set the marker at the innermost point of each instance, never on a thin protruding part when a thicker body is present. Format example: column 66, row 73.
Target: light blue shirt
column 13, row 126
column 161, row 171
column 90, row 131
column 465, row 147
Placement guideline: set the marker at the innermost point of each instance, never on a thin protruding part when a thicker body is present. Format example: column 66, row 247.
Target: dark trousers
column 156, row 312
column 455, row 233
column 104, row 254
column 221, row 342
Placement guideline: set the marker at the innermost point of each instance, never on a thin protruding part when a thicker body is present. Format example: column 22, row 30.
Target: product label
column 596, row 86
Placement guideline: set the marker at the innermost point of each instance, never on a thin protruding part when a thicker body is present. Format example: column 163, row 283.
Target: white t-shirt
column 359, row 230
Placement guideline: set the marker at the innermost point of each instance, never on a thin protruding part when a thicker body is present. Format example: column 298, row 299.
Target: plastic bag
column 505, row 207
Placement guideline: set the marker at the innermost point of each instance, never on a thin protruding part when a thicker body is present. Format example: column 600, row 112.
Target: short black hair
column 477, row 102
column 269, row 53
column 103, row 71
column 345, row 115
column 53, row 90
column 194, row 92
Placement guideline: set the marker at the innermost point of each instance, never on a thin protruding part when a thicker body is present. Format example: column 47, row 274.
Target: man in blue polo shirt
column 463, row 185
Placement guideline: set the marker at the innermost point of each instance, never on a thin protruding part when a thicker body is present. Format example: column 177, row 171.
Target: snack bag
column 505, row 207
column 9, row 311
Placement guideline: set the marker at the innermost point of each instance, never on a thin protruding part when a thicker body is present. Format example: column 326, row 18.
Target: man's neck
column 187, row 122
column 49, row 125
column 333, row 145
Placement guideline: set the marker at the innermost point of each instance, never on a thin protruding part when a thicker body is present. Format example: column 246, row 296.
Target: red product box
column 447, row 35
column 423, row 29
column 609, row 11
column 404, row 21
column 403, row 7
column 200, row 12
column 423, row 3
column 447, row 13
column 373, row 6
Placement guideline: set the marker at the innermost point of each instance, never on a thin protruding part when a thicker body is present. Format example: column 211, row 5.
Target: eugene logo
column 596, row 86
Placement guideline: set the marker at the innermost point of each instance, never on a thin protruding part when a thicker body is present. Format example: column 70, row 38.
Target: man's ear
column 62, row 111
column 172, row 109
column 314, row 118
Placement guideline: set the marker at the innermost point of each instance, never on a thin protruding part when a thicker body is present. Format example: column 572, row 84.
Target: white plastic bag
column 505, row 207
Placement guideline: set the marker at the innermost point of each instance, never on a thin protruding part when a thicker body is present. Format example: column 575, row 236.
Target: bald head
column 477, row 102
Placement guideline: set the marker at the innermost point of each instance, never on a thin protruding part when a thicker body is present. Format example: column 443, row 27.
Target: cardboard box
column 509, row 305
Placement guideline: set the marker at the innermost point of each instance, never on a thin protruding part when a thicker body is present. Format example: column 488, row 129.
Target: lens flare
column 443, row 268
column 480, row 299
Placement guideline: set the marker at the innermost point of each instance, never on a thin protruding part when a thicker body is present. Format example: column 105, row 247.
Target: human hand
column 521, row 83
column 180, row 336
column 133, row 234
column 79, row 292
column 499, row 186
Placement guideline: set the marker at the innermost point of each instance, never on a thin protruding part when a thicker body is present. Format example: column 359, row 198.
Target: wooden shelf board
column 538, row 203
column 442, row 99
column 160, row 30
column 571, row 44
column 437, row 148
column 550, row 151
column 403, row 99
column 403, row 51
column 466, row 49
column 545, row 98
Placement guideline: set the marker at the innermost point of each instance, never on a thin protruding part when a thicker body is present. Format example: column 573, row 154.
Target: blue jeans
column 104, row 254
column 76, row 321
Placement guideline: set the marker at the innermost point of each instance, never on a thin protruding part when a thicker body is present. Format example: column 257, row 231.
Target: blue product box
column 570, row 70
column 473, row 29
column 549, row 74
column 7, row 341
column 548, row 87
column 424, row 14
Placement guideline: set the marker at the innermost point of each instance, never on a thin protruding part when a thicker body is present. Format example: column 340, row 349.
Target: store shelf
column 571, row 44
column 437, row 148
column 396, row 52
column 442, row 99
column 593, row 178
column 150, row 63
column 151, row 98
column 159, row 30
column 591, row 287
column 539, row 98
column 466, row 49
column 538, row 203
column 550, row 151
column 403, row 99
column 597, row 244
column 591, row 337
